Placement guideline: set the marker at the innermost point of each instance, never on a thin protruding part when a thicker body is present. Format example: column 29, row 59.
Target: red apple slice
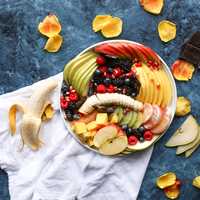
column 147, row 113
column 118, row 46
column 105, row 49
column 162, row 125
column 155, row 118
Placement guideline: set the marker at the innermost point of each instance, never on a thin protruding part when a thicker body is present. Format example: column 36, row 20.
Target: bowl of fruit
column 117, row 97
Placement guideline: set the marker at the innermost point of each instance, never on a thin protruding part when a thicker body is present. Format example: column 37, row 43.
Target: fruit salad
column 116, row 97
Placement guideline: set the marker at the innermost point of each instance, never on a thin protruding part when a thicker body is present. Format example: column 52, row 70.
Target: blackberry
column 107, row 81
column 98, row 80
column 141, row 129
column 69, row 115
column 97, row 72
column 65, row 89
column 118, row 82
column 71, row 106
column 127, row 81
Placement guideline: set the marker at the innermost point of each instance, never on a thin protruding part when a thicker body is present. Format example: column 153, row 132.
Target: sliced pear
column 183, row 148
column 114, row 146
column 133, row 120
column 127, row 118
column 186, row 134
column 139, row 120
column 105, row 134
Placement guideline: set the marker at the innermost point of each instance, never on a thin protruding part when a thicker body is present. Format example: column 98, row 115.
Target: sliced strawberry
column 147, row 113
column 155, row 118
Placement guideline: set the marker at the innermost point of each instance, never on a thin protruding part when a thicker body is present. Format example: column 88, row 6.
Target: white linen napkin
column 63, row 169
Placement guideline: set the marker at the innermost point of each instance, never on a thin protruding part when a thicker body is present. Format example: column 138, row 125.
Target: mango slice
column 167, row 30
column 113, row 28
column 54, row 43
column 182, row 70
column 166, row 180
column 100, row 21
column 173, row 192
column 48, row 113
column 183, row 106
column 50, row 26
column 152, row 6
column 196, row 182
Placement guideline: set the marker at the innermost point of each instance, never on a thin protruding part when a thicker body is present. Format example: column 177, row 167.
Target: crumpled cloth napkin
column 63, row 169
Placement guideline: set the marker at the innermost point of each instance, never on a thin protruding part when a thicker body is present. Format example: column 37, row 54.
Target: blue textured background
column 23, row 62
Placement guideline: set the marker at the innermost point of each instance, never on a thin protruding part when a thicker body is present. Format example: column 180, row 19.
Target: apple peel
column 113, row 28
column 166, row 30
column 166, row 180
column 100, row 21
column 50, row 26
column 54, row 43
column 182, row 70
column 152, row 6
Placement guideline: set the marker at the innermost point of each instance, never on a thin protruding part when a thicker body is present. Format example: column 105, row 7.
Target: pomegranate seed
column 132, row 140
column 148, row 135
column 73, row 97
column 117, row 72
column 101, row 88
column 100, row 60
column 138, row 64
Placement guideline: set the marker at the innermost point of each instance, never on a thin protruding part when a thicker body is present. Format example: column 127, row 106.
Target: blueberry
column 133, row 94
column 71, row 106
column 69, row 115
column 124, row 127
column 107, row 81
column 110, row 70
column 127, row 81
column 141, row 129
column 65, row 89
column 97, row 72
column 110, row 110
column 76, row 116
column 90, row 91
column 129, row 131
column 141, row 139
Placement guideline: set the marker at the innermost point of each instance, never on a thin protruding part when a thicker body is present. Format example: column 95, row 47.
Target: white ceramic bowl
column 172, row 106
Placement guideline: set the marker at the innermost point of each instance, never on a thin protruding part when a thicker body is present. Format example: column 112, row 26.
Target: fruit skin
column 183, row 106
column 152, row 6
column 182, row 70
column 185, row 134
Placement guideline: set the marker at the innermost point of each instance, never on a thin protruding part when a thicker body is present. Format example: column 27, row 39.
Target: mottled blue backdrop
column 23, row 62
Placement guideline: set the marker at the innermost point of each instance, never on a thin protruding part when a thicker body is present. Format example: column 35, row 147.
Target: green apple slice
column 185, row 134
column 183, row 148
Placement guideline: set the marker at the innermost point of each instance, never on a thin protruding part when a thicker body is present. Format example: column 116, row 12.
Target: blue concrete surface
column 23, row 62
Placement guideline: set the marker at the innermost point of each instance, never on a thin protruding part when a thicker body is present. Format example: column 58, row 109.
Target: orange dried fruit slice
column 152, row 6
column 100, row 21
column 48, row 113
column 166, row 180
column 166, row 30
column 54, row 43
column 113, row 28
column 182, row 70
column 50, row 26
column 173, row 192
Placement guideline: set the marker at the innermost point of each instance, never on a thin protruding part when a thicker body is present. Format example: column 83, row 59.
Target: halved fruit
column 184, row 148
column 100, row 21
column 162, row 125
column 182, row 70
column 50, row 26
column 185, row 134
column 152, row 6
column 147, row 113
column 155, row 118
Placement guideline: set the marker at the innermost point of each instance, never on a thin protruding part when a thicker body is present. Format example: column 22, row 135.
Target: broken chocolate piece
column 190, row 53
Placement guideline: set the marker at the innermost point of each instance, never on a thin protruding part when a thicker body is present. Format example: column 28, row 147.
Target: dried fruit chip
column 166, row 180
column 173, row 192
column 166, row 30
column 183, row 106
column 152, row 6
column 48, row 113
column 100, row 21
column 182, row 70
column 54, row 43
column 196, row 182
column 50, row 26
column 113, row 28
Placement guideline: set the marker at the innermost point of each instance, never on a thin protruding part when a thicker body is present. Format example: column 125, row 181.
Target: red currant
column 138, row 64
column 132, row 140
column 111, row 89
column 101, row 88
column 73, row 96
column 100, row 60
column 117, row 72
column 64, row 104
column 103, row 68
column 148, row 135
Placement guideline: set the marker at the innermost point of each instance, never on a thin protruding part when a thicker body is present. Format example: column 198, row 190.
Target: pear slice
column 186, row 147
column 185, row 134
